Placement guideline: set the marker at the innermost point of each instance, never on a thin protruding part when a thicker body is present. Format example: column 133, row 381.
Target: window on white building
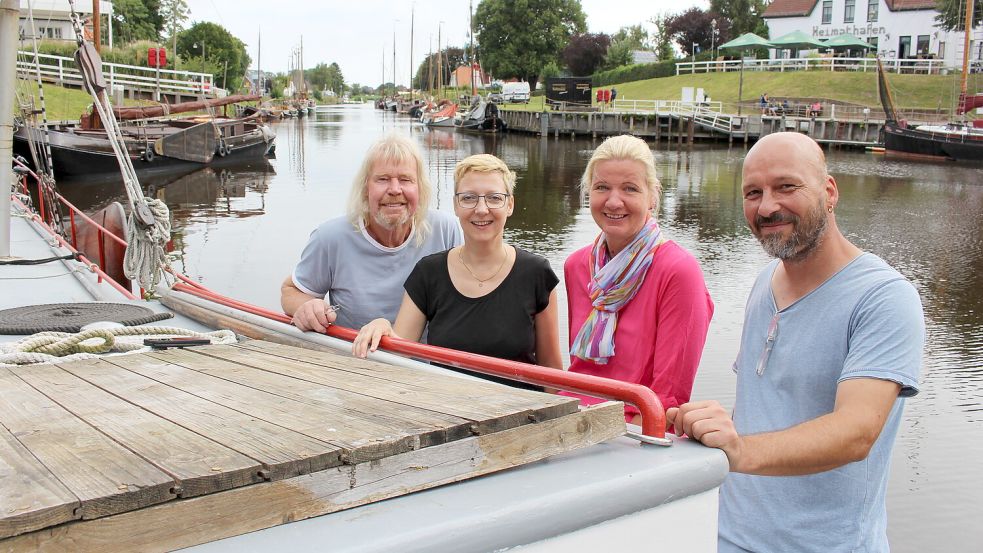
column 827, row 12
column 904, row 47
column 872, row 10
column 923, row 41
column 873, row 42
column 848, row 9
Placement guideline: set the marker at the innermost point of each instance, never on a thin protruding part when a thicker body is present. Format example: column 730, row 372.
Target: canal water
column 240, row 230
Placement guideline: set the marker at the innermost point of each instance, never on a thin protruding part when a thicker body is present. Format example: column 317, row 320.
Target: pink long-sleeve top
column 661, row 331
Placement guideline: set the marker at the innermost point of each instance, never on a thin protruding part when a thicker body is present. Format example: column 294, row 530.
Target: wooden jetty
column 173, row 448
column 685, row 126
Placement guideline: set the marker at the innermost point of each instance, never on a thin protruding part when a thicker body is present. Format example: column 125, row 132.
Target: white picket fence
column 62, row 70
column 895, row 65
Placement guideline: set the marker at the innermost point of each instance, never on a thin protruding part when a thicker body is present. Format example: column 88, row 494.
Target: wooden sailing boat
column 960, row 141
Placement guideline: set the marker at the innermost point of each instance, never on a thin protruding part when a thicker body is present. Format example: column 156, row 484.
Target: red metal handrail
column 646, row 400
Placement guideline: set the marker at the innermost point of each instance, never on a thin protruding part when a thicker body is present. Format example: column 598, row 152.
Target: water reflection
column 242, row 235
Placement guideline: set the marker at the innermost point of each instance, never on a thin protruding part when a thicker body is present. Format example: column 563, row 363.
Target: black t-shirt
column 498, row 324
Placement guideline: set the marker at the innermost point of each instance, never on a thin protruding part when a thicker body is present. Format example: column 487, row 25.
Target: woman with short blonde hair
column 485, row 296
column 638, row 308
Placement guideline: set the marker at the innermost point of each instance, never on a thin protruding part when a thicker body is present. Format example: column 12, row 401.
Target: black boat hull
column 76, row 156
column 959, row 147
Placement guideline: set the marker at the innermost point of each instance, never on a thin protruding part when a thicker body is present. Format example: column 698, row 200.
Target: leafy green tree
column 136, row 20
column 217, row 46
column 585, row 52
column 744, row 16
column 174, row 14
column 952, row 14
column 623, row 43
column 662, row 40
column 522, row 50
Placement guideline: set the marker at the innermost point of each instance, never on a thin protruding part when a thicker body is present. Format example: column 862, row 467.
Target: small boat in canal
column 483, row 117
column 154, row 144
column 442, row 115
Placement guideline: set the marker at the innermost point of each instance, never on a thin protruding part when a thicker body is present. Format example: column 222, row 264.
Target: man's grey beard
column 391, row 225
column 805, row 238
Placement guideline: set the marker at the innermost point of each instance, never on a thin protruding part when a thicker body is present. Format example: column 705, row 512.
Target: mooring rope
column 145, row 253
column 52, row 347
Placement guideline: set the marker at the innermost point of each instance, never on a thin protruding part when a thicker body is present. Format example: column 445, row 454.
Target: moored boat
column 483, row 117
column 955, row 140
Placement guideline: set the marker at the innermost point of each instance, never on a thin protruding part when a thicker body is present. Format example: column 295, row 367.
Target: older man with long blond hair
column 360, row 260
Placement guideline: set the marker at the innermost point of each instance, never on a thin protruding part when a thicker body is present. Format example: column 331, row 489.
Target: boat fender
column 222, row 151
column 148, row 155
column 229, row 148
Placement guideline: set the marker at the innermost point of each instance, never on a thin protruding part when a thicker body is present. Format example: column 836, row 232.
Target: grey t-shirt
column 361, row 275
column 866, row 321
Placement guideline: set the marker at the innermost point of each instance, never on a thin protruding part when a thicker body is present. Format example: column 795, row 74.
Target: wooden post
column 96, row 24
column 691, row 129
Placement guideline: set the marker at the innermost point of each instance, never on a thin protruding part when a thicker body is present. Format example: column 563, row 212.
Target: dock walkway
column 172, row 448
column 687, row 123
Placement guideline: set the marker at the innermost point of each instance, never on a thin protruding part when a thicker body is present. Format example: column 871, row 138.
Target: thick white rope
column 145, row 257
column 57, row 347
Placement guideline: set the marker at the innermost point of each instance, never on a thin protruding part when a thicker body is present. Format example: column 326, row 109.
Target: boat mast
column 394, row 64
column 9, row 15
column 471, row 39
column 966, row 46
column 440, row 66
column 411, row 53
column 259, row 64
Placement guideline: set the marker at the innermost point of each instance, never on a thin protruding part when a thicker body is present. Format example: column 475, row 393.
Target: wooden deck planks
column 104, row 477
column 234, row 512
column 120, row 435
column 368, row 428
column 493, row 407
column 282, row 452
column 31, row 498
column 198, row 464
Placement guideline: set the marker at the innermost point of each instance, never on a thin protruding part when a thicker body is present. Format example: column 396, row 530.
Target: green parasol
column 747, row 40
column 847, row 41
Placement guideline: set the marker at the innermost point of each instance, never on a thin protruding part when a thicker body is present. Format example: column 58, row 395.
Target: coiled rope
column 52, row 347
column 145, row 255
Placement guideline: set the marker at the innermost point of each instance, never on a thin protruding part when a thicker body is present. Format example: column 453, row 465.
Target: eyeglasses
column 769, row 344
column 468, row 200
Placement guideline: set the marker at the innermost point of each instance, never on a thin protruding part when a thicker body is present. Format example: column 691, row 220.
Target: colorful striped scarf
column 613, row 284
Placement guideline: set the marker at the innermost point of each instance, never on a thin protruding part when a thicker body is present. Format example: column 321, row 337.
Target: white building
column 898, row 28
column 52, row 18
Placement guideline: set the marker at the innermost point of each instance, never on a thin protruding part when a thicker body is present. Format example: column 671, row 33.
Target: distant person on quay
column 638, row 307
column 831, row 346
column 360, row 261
column 484, row 296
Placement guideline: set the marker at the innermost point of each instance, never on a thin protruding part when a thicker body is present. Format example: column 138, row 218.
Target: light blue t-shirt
column 866, row 321
column 361, row 275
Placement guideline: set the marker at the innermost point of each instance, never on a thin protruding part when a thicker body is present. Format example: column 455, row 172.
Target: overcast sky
column 358, row 34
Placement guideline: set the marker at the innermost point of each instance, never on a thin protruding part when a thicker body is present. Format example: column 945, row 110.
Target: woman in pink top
column 638, row 307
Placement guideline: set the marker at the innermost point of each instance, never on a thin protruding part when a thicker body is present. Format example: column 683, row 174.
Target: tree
column 585, row 52
column 952, row 14
column 694, row 26
column 174, row 14
column 213, row 44
column 336, row 81
column 623, row 43
column 450, row 59
column 510, row 50
column 136, row 20
column 744, row 16
column 663, row 38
